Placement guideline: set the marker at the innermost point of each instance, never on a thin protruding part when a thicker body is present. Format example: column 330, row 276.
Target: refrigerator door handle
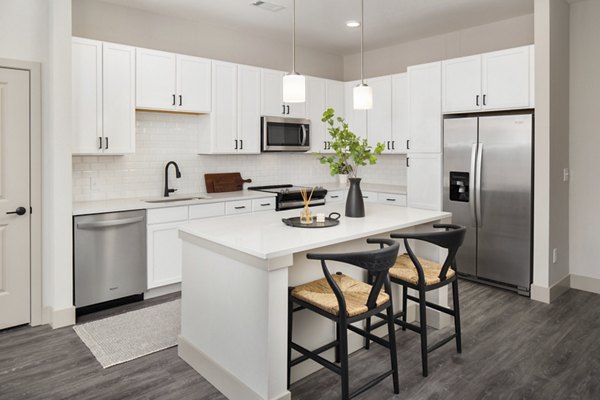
column 478, row 185
column 472, row 184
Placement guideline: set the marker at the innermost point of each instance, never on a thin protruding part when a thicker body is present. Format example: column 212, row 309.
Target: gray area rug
column 134, row 334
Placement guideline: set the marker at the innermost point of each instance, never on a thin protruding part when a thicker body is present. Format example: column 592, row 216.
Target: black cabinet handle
column 388, row 145
column 283, row 105
column 18, row 211
column 174, row 99
column 484, row 99
column 391, row 199
column 241, row 144
column 335, row 197
column 100, row 145
column 240, row 207
column 477, row 100
column 407, row 162
column 265, row 204
column 106, row 143
column 180, row 100
column 393, row 145
column 288, row 110
column 408, row 144
column 236, row 144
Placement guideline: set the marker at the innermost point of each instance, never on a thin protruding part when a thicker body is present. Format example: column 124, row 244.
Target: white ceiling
column 321, row 23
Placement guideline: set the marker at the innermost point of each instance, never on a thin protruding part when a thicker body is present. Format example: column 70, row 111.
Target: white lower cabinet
column 392, row 199
column 369, row 197
column 424, row 181
column 336, row 196
column 164, row 258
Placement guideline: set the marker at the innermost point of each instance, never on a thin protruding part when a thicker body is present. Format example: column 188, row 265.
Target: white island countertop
column 264, row 236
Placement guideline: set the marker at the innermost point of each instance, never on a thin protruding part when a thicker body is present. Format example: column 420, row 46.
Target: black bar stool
column 423, row 275
column 345, row 300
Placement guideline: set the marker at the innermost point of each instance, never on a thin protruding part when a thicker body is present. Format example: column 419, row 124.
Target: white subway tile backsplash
column 162, row 137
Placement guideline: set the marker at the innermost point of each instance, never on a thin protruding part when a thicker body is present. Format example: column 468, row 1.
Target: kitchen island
column 236, row 273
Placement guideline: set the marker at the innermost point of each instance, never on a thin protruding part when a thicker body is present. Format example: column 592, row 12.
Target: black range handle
column 18, row 211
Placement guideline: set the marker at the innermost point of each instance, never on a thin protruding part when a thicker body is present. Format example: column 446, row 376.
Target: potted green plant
column 351, row 152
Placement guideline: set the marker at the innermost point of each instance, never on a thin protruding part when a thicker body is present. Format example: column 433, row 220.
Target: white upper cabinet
column 425, row 108
column 500, row 80
column 334, row 96
column 400, row 114
column 461, row 84
column 86, row 96
column 272, row 97
column 118, row 98
column 235, row 117
column 103, row 96
column 194, row 84
column 224, row 114
column 356, row 119
column 248, row 109
column 171, row 82
column 315, row 105
column 379, row 118
column 506, row 79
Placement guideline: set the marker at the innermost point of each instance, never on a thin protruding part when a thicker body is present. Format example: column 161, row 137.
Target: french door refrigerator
column 488, row 184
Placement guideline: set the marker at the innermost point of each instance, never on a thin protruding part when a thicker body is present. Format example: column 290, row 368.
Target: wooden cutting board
column 226, row 182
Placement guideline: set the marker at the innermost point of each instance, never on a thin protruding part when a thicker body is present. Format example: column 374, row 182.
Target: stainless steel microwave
column 285, row 134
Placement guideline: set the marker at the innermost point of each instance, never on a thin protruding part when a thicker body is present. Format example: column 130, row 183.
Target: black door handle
column 241, row 144
column 288, row 108
column 283, row 105
column 100, row 148
column 106, row 142
column 407, row 162
column 18, row 211
column 484, row 100
column 180, row 100
column 393, row 145
column 173, row 99
column 477, row 100
column 408, row 144
column 236, row 144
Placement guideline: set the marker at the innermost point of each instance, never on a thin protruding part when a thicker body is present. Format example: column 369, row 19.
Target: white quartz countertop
column 103, row 206
column 371, row 187
column 264, row 236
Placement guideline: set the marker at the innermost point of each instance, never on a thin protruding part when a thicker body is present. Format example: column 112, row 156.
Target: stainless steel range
column 290, row 197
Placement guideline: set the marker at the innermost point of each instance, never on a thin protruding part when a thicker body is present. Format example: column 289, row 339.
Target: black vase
column 355, row 205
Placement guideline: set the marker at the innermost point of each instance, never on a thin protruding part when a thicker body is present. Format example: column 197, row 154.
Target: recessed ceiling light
column 352, row 24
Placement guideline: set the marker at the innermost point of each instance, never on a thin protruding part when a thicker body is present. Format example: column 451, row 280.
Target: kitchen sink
column 174, row 199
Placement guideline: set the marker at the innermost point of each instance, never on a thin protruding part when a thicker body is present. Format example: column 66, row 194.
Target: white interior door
column 14, row 194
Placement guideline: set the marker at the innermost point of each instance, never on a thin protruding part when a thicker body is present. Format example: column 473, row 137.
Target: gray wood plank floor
column 513, row 348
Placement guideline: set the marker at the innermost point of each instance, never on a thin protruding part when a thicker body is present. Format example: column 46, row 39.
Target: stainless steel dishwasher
column 109, row 256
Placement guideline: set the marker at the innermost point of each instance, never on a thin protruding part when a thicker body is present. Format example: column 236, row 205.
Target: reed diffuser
column 305, row 216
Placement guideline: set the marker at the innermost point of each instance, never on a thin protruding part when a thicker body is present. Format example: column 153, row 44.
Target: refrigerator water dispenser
column 459, row 186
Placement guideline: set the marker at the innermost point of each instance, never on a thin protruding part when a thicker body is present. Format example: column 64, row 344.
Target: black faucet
column 177, row 175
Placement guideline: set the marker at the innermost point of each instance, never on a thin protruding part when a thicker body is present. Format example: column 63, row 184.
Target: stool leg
column 404, row 305
column 393, row 354
column 368, row 329
column 289, row 349
column 423, row 320
column 456, row 316
column 344, row 360
column 337, row 348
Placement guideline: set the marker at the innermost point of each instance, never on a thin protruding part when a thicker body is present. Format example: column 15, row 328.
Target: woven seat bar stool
column 345, row 300
column 422, row 275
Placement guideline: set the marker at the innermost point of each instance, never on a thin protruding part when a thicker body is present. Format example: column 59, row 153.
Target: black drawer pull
column 335, row 197
column 391, row 199
column 240, row 207
column 265, row 204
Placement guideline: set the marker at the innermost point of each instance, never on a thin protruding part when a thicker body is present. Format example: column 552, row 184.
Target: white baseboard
column 219, row 377
column 548, row 295
column 59, row 318
column 585, row 283
column 163, row 290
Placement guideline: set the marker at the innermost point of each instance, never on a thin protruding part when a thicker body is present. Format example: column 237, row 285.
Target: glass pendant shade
column 362, row 97
column 294, row 88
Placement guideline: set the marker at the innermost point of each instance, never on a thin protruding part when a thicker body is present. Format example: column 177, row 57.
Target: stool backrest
column 376, row 262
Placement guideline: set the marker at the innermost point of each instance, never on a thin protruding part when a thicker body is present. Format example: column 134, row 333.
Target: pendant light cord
column 294, row 37
column 362, row 27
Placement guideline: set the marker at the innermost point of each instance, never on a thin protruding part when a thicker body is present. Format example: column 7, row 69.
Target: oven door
column 285, row 134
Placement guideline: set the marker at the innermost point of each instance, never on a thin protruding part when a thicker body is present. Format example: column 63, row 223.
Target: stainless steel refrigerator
column 488, row 183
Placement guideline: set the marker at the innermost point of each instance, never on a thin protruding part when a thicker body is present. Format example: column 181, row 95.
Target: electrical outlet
column 554, row 256
column 566, row 175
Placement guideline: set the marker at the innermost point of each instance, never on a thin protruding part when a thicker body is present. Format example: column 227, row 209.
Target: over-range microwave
column 285, row 134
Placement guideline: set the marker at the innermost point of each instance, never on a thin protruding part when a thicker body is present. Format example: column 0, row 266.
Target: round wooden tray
column 332, row 220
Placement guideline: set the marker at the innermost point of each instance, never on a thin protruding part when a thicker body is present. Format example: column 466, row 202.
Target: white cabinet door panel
column 315, row 106
column 267, row 204
column 425, row 102
column 272, row 93
column 336, row 196
column 334, row 96
column 400, row 114
column 424, row 181
column 379, row 118
column 248, row 98
column 164, row 254
column 155, row 80
column 118, row 103
column 86, row 96
column 193, row 84
column 392, row 199
column 207, row 210
column 506, row 79
column 356, row 119
column 238, row 207
column 224, row 112
column 461, row 84
column 369, row 197
column 167, row 214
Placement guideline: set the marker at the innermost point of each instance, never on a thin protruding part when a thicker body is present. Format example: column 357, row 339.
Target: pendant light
column 362, row 93
column 294, row 85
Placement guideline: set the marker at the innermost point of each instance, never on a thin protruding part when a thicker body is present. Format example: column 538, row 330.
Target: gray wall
column 585, row 139
column 500, row 35
column 103, row 21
